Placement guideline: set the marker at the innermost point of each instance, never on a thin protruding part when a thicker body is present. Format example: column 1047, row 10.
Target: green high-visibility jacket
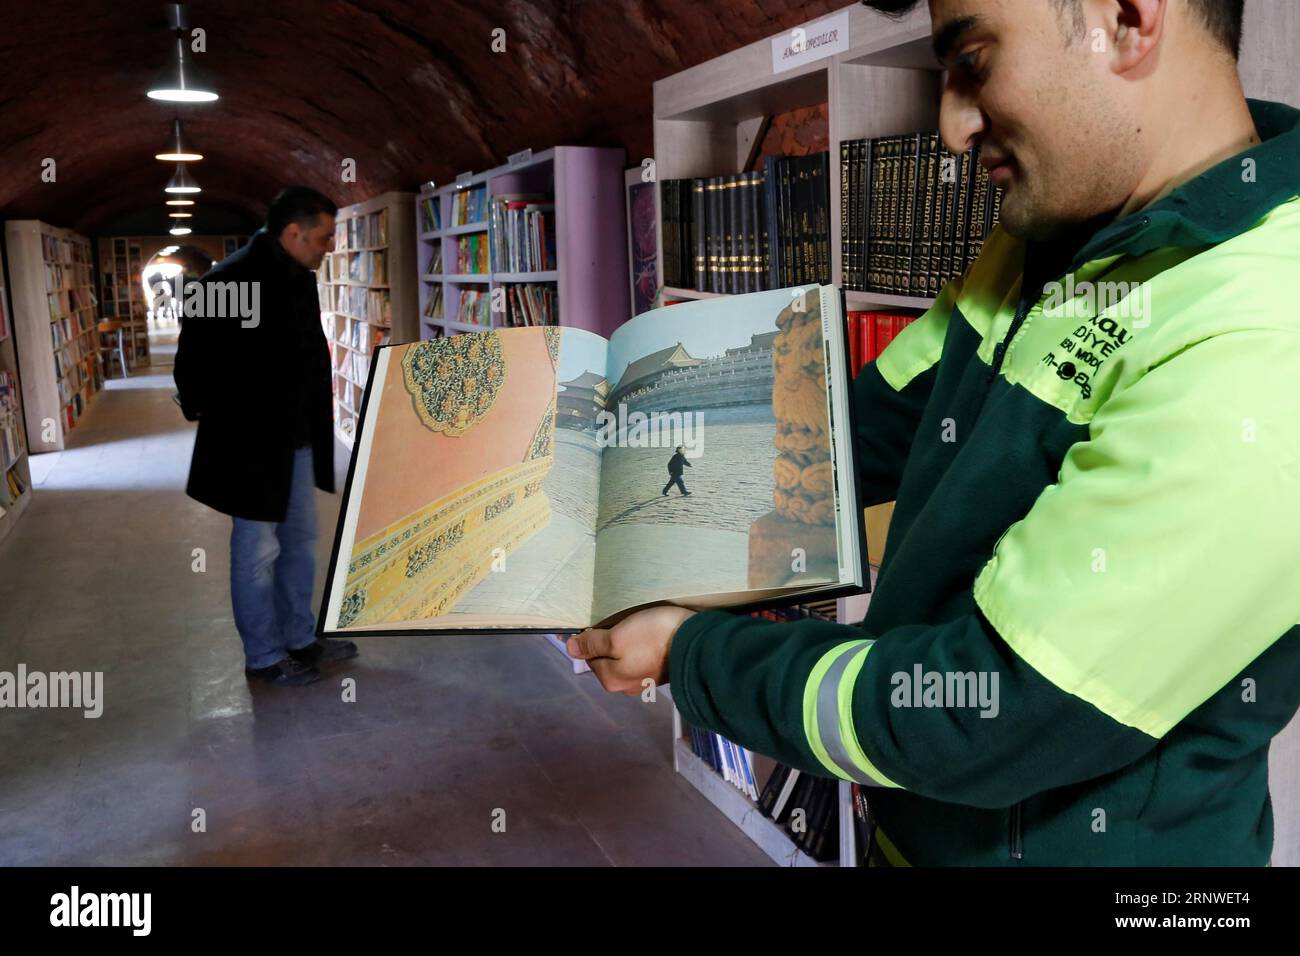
column 1097, row 525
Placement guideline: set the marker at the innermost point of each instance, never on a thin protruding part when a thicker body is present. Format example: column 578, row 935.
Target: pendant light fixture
column 175, row 149
column 180, row 202
column 183, row 81
column 180, row 215
column 181, row 183
column 179, row 230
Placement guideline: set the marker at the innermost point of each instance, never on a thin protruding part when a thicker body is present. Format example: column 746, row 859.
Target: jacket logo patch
column 1096, row 337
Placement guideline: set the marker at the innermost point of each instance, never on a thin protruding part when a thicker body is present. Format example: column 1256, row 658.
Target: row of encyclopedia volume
column 913, row 215
column 766, row 229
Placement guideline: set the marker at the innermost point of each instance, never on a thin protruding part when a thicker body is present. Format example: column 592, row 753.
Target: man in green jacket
column 1098, row 495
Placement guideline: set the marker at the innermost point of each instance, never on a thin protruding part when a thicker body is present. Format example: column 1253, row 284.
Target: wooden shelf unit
column 11, row 424
column 590, row 272
column 705, row 122
column 122, row 294
column 886, row 82
column 706, row 118
column 54, row 317
column 353, row 329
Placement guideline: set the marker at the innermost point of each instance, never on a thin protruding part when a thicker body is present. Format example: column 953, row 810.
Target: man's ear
column 1133, row 29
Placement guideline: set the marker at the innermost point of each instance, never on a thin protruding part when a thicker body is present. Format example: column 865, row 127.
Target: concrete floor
column 98, row 575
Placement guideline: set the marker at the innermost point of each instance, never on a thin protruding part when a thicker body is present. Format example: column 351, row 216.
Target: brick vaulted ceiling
column 411, row 90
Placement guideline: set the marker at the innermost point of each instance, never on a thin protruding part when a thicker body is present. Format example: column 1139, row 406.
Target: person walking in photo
column 675, row 471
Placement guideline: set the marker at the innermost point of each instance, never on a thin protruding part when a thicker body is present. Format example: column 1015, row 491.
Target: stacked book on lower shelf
column 796, row 818
column 804, row 806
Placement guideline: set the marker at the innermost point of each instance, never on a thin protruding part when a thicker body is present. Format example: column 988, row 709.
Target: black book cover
column 791, row 220
column 717, row 234
column 683, row 238
column 818, row 228
column 686, row 234
column 948, row 266
column 849, row 203
column 748, row 232
column 961, row 234
column 862, row 823
column 668, row 203
column 808, row 219
column 798, row 801
column 731, row 234
column 821, row 184
column 756, row 195
column 771, row 208
column 812, row 802
column 979, row 209
column 772, row 789
column 870, row 200
column 914, row 212
column 943, row 228
column 846, row 217
column 995, row 210
column 823, row 841
column 901, row 188
column 923, row 259
column 699, row 231
column 784, row 223
column 889, row 228
column 880, row 199
column 886, row 197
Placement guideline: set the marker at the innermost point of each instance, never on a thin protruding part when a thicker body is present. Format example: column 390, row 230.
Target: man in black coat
column 252, row 368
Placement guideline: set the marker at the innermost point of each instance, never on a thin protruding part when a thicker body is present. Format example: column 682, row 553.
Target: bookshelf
column 706, row 120
column 884, row 81
column 15, row 470
column 122, row 293
column 574, row 191
column 52, row 291
column 367, row 294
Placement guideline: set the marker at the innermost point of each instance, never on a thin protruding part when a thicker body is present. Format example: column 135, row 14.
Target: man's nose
column 961, row 121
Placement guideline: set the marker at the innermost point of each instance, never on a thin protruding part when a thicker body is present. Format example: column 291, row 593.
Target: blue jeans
column 272, row 570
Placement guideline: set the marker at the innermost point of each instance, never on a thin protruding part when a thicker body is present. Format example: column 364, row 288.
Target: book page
column 718, row 475
column 473, row 501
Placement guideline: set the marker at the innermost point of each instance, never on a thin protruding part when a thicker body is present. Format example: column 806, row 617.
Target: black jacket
column 242, row 382
column 675, row 464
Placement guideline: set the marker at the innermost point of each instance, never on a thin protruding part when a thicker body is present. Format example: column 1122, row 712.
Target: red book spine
column 868, row 334
column 884, row 330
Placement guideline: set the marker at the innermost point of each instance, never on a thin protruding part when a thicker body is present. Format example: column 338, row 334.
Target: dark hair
column 1222, row 18
column 300, row 204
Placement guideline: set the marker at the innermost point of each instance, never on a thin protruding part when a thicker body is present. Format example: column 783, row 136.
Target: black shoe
column 286, row 673
column 664, row 493
column 686, row 494
column 324, row 652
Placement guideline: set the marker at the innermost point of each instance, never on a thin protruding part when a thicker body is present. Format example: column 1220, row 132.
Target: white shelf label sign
column 523, row 156
column 462, row 179
column 815, row 41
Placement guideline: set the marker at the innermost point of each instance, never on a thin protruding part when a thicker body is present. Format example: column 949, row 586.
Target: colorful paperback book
column 547, row 479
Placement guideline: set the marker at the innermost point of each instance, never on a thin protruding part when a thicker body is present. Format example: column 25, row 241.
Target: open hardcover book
column 549, row 480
